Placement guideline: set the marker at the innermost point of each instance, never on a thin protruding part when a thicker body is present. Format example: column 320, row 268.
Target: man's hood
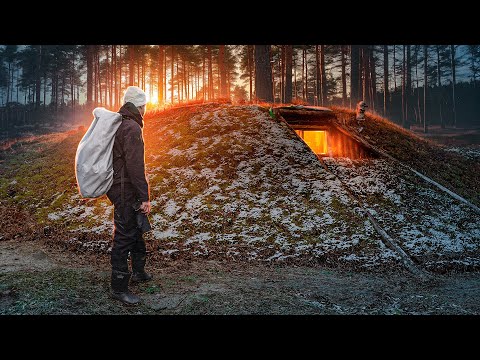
column 130, row 111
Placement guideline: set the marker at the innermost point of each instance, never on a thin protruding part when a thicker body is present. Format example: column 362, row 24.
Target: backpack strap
column 122, row 177
column 122, row 189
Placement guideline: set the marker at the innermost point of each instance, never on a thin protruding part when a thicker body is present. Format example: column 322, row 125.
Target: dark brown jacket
column 129, row 151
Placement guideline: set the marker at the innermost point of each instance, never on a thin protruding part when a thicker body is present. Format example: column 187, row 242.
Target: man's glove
column 142, row 219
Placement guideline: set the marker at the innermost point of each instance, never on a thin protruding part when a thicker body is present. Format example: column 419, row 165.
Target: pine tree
column 263, row 74
column 385, row 80
column 288, row 73
column 354, row 75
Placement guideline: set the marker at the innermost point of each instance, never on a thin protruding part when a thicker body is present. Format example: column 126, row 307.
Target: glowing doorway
column 315, row 139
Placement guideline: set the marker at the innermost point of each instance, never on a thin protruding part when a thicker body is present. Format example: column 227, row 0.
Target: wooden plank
column 304, row 108
column 310, row 127
column 387, row 239
column 306, row 113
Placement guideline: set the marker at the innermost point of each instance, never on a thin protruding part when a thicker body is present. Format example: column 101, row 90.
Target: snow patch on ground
column 169, row 233
column 175, row 152
column 426, row 220
column 85, row 214
column 171, row 208
column 472, row 153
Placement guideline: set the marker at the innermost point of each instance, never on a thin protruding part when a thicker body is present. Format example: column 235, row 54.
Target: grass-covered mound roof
column 230, row 182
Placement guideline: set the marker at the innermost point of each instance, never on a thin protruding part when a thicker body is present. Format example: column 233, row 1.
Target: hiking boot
column 120, row 288
column 138, row 268
column 141, row 277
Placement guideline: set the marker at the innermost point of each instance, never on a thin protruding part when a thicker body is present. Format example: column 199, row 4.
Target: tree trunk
column 417, row 49
column 439, row 79
column 474, row 74
column 95, row 77
column 408, row 89
column 152, row 82
column 63, row 92
column 179, row 85
column 8, row 83
column 44, row 91
column 303, row 73
column 250, row 69
column 203, row 78
column 344, row 75
column 165, row 76
column 305, row 82
column 282, row 77
column 439, row 73
column 112, row 77
column 17, row 85
column 373, row 77
column 52, row 90
column 144, row 74
column 394, row 69
column 223, row 71
column 210, row 73
column 323, row 76
column 98, row 77
column 107, row 76
column 137, row 62
column 263, row 74
column 184, row 80
column 90, row 52
column 160, row 74
column 318, row 75
column 72, row 85
column 273, row 74
column 295, row 77
column 190, row 82
column 141, row 74
column 38, row 82
column 288, row 73
column 197, row 80
column 365, row 70
column 131, row 65
column 452, row 53
column 404, row 75
column 354, row 75
column 425, row 85
column 120, row 68
column 171, row 71
column 11, row 83
column 385, row 80
column 56, row 93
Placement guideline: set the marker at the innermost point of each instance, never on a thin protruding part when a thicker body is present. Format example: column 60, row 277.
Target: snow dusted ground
column 230, row 181
column 266, row 195
column 429, row 225
column 92, row 222
column 84, row 211
column 472, row 153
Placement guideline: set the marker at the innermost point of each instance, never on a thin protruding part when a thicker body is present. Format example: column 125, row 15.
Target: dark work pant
column 126, row 237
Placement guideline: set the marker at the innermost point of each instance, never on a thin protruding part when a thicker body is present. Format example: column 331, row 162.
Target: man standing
column 129, row 186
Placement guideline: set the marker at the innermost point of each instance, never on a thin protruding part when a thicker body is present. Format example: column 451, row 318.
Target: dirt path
column 37, row 280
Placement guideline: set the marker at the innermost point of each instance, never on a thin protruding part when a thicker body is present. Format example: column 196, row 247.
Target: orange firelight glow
column 316, row 140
